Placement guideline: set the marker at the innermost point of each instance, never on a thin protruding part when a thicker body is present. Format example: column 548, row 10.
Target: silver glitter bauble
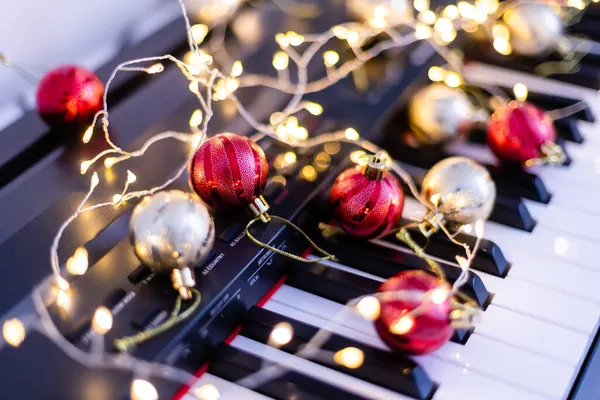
column 392, row 12
column 438, row 112
column 212, row 12
column 466, row 190
column 534, row 28
column 171, row 230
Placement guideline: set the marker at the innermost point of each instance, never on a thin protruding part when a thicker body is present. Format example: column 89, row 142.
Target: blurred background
column 39, row 35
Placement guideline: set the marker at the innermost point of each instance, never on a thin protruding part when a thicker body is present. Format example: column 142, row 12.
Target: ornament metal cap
column 183, row 280
column 376, row 166
column 259, row 207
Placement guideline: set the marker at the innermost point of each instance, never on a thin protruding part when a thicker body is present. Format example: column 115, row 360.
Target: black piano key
column 568, row 159
column 385, row 263
column 332, row 288
column 511, row 211
column 393, row 371
column 514, row 182
column 550, row 102
column 568, row 129
column 234, row 364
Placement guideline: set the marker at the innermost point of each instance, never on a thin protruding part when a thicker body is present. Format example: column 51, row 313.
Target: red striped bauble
column 229, row 170
column 366, row 207
column 517, row 131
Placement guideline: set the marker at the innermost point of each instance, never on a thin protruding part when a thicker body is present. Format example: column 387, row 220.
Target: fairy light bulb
column 340, row 32
column 199, row 32
column 439, row 295
column 63, row 300
column 403, row 325
column 349, row 357
column 466, row 10
column 196, row 118
column 77, row 264
column 436, row 74
column 451, row 12
column 85, row 165
column 314, row 108
column 143, row 390
column 155, row 69
column 427, row 17
column 290, row 157
column 502, row 46
column 103, row 320
column 422, row 31
column 131, row 177
column 479, row 228
column 421, row 5
column 62, row 283
column 453, row 80
column 463, row 263
column 282, row 334
column 237, row 69
column 351, row 134
column 331, row 58
column 87, row 135
column 207, row 392
column 369, row 307
column 13, row 332
column 282, row 40
column 353, row 38
column 194, row 87
column 116, row 199
column 280, row 60
column 520, row 91
column 294, row 38
column 500, row 30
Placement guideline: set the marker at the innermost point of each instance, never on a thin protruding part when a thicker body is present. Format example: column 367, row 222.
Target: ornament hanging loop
column 375, row 166
column 552, row 154
column 260, row 208
column 324, row 253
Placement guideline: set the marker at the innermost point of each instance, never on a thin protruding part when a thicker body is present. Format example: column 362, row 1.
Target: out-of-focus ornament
column 381, row 13
column 367, row 200
column 523, row 133
column 69, row 95
column 230, row 170
column 534, row 27
column 172, row 232
column 461, row 189
column 438, row 113
column 212, row 12
column 415, row 319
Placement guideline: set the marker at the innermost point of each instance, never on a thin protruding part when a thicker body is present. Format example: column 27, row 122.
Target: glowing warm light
column 309, row 173
column 439, row 295
column 199, row 32
column 207, row 392
column 292, row 122
column 197, row 58
column 109, row 162
column 340, row 32
column 194, row 87
column 479, row 227
column 331, row 58
column 436, row 74
column 282, row 40
column 78, row 263
column 197, row 139
column 314, row 108
column 357, row 156
column 502, row 46
column 280, row 60
column 443, row 25
column 84, row 166
column 103, row 320
column 332, row 148
column 294, row 38
column 578, row 4
column 237, row 69
column 143, row 390
column 232, row 84
column 351, row 134
column 87, row 135
column 435, row 199
column 62, row 283
column 276, row 118
column 453, row 80
column 466, row 10
column 116, row 199
column 403, row 325
column 369, row 307
column 421, row 5
column 451, row 12
column 428, row 17
column 300, row 133
column 353, row 38
column 520, row 91
column 290, row 157
column 463, row 263
column 95, row 180
column 131, row 177
column 349, row 357
column 63, row 300
column 500, row 30
column 13, row 332
column 282, row 334
column 422, row 31
column 155, row 69
column 561, row 245
column 196, row 118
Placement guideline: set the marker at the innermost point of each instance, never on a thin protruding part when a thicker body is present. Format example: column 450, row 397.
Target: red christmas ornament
column 517, row 132
column 229, row 170
column 69, row 94
column 367, row 201
column 422, row 333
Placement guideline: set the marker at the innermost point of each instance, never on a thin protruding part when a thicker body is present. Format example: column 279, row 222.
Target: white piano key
column 456, row 382
column 227, row 390
column 565, row 218
column 479, row 357
column 316, row 371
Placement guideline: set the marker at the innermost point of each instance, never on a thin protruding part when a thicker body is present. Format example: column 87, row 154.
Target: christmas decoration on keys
column 524, row 134
column 230, row 170
column 381, row 13
column 368, row 200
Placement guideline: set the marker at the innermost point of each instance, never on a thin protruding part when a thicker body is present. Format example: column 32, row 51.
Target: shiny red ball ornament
column 517, row 131
column 367, row 201
column 429, row 329
column 69, row 95
column 229, row 170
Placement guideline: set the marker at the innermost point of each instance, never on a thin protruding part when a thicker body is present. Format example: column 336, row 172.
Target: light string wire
column 214, row 86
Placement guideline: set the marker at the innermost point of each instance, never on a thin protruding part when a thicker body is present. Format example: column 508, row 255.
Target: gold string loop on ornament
column 552, row 154
column 125, row 343
column 324, row 253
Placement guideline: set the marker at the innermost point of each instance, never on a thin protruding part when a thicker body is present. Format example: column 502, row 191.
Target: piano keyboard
column 536, row 276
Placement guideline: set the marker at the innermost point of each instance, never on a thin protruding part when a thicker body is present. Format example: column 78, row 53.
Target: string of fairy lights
column 210, row 84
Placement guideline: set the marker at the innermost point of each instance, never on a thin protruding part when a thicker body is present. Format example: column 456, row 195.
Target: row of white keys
column 227, row 390
column 573, row 315
column 483, row 369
